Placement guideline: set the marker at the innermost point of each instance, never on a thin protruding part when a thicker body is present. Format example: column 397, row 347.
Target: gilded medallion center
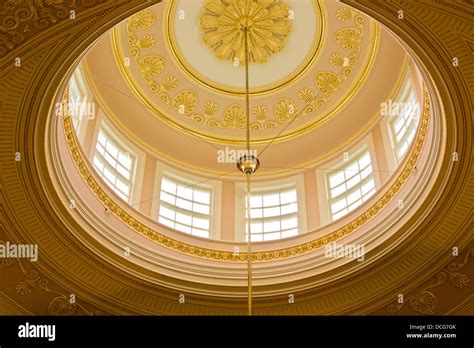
column 222, row 24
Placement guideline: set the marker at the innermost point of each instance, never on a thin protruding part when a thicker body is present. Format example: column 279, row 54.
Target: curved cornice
column 31, row 211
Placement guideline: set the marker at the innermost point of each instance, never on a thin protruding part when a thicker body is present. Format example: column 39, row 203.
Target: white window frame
column 215, row 186
column 411, row 123
column 140, row 156
column 323, row 171
column 357, row 188
column 116, row 172
column 269, row 186
column 78, row 79
column 277, row 218
column 190, row 213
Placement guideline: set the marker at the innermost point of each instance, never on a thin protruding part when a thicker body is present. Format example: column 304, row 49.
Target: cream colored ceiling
column 292, row 41
column 166, row 89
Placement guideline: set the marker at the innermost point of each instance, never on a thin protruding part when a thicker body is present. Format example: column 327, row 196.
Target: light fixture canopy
column 248, row 164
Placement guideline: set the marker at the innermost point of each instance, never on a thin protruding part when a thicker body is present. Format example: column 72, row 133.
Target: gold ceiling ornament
column 142, row 20
column 210, row 108
column 306, row 95
column 329, row 84
column 338, row 60
column 344, row 14
column 168, row 83
column 151, row 66
column 234, row 117
column 221, row 23
column 285, row 111
column 260, row 113
column 147, row 42
column 348, row 38
column 185, row 102
column 269, row 255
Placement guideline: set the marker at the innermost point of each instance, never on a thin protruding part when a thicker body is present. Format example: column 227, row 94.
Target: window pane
column 168, row 186
column 255, row 201
column 348, row 194
column 166, row 197
column 271, row 236
column 183, row 218
column 289, row 233
column 98, row 164
column 201, row 208
column 109, row 175
column 202, row 197
column 256, row 213
column 288, row 197
column 289, row 223
column 185, row 192
column 200, row 233
column 270, row 212
column 112, row 149
column 355, row 205
column 336, row 179
column 102, row 138
column 182, row 228
column 353, row 197
column 122, row 186
column 125, row 173
column 125, row 160
column 289, row 208
column 184, row 204
column 166, row 222
column 338, row 190
column 256, row 227
column 185, row 207
column 271, row 200
column 277, row 207
column 338, row 205
column 339, row 214
column 364, row 161
column 256, row 237
column 110, row 160
column 351, row 170
column 367, row 187
column 403, row 129
column 201, row 223
column 271, row 226
column 100, row 149
column 167, row 213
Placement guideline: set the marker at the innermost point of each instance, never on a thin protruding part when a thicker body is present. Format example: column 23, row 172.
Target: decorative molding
column 24, row 19
column 424, row 301
column 328, row 82
column 236, row 116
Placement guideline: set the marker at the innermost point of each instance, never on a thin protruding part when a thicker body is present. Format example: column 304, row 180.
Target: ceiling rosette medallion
column 268, row 22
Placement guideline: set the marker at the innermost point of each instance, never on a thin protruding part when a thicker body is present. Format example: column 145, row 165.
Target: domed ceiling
column 315, row 71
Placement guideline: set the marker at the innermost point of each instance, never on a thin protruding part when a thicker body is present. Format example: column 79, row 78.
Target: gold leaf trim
column 270, row 255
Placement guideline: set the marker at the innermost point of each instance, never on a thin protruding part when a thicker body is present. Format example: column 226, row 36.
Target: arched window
column 184, row 207
column 350, row 185
column 273, row 214
column 114, row 164
column 404, row 123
